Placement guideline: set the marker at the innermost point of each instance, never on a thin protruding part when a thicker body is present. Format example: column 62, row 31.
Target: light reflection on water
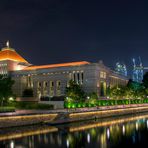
column 109, row 132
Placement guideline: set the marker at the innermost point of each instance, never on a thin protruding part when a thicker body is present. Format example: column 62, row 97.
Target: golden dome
column 8, row 53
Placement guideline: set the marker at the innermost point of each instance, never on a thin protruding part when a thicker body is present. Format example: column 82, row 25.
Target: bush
column 7, row 109
column 79, row 105
column 104, row 103
column 32, row 105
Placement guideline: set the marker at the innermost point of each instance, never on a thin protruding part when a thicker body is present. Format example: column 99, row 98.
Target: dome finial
column 7, row 44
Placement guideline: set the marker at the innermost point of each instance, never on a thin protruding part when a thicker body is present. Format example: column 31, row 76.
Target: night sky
column 54, row 31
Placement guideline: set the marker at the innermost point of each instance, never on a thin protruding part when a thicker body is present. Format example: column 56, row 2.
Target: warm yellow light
column 8, row 54
column 57, row 65
column 11, row 99
column 28, row 133
column 106, row 123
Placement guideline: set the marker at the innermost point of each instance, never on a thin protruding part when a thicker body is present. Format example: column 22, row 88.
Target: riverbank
column 32, row 130
column 101, row 112
column 63, row 116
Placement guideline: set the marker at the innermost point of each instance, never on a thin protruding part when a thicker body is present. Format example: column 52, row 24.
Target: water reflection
column 104, row 133
column 11, row 144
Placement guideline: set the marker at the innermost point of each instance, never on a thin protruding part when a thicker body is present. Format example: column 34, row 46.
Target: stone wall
column 25, row 120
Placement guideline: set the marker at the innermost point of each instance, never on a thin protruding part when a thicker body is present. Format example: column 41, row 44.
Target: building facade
column 51, row 80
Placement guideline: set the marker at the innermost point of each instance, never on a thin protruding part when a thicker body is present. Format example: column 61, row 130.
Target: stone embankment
column 68, row 115
column 74, row 115
column 22, row 120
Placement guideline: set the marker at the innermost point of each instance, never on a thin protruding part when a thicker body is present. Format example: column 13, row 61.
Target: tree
column 28, row 92
column 138, row 89
column 6, row 84
column 117, row 92
column 145, row 80
column 92, row 97
column 74, row 91
column 134, row 85
column 133, row 90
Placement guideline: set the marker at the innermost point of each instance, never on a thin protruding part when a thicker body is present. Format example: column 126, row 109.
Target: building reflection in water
column 67, row 143
column 102, row 133
column 108, row 133
column 88, row 138
column 11, row 144
column 123, row 129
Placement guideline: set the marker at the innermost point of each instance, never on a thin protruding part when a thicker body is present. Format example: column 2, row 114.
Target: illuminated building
column 121, row 68
column 51, row 80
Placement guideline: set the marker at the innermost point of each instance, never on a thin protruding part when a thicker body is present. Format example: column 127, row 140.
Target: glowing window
column 102, row 74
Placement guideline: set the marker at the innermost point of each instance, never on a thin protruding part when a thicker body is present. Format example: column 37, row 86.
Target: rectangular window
column 74, row 77
column 58, row 88
column 82, row 77
column 78, row 76
column 102, row 74
column 51, row 88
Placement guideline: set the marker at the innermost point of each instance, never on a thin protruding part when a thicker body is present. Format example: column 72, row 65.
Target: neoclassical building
column 51, row 80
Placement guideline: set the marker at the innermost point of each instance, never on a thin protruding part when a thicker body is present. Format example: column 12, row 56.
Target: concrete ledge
column 12, row 121
column 97, row 114
column 66, row 116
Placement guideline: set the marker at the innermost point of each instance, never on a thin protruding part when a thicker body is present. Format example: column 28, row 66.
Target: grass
column 7, row 109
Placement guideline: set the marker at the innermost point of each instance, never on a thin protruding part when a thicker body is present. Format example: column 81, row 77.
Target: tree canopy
column 145, row 80
column 6, row 84
column 74, row 91
column 133, row 90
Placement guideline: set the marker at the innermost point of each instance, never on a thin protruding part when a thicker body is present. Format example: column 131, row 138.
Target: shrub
column 32, row 105
column 84, row 105
column 7, row 109
column 104, row 103
column 78, row 105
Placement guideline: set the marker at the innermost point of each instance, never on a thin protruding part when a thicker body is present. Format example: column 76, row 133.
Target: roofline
column 57, row 65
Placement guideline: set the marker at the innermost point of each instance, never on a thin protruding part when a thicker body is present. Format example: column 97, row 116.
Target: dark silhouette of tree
column 134, row 85
column 145, row 80
column 6, row 84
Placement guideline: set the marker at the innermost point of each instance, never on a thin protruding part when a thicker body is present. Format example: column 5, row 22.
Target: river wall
column 71, row 115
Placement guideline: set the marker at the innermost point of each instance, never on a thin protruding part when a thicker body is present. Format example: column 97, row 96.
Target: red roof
column 11, row 54
column 57, row 65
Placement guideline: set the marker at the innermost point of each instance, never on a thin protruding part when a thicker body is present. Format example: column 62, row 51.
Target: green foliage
column 133, row 93
column 104, row 103
column 32, row 105
column 92, row 98
column 133, row 90
column 74, row 92
column 117, row 92
column 145, row 80
column 7, row 109
column 6, row 84
column 28, row 92
column 134, row 85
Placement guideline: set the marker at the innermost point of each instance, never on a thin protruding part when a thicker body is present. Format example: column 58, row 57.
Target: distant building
column 51, row 80
column 137, row 75
column 121, row 69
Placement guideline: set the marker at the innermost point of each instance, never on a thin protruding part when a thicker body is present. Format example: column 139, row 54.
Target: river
column 124, row 131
